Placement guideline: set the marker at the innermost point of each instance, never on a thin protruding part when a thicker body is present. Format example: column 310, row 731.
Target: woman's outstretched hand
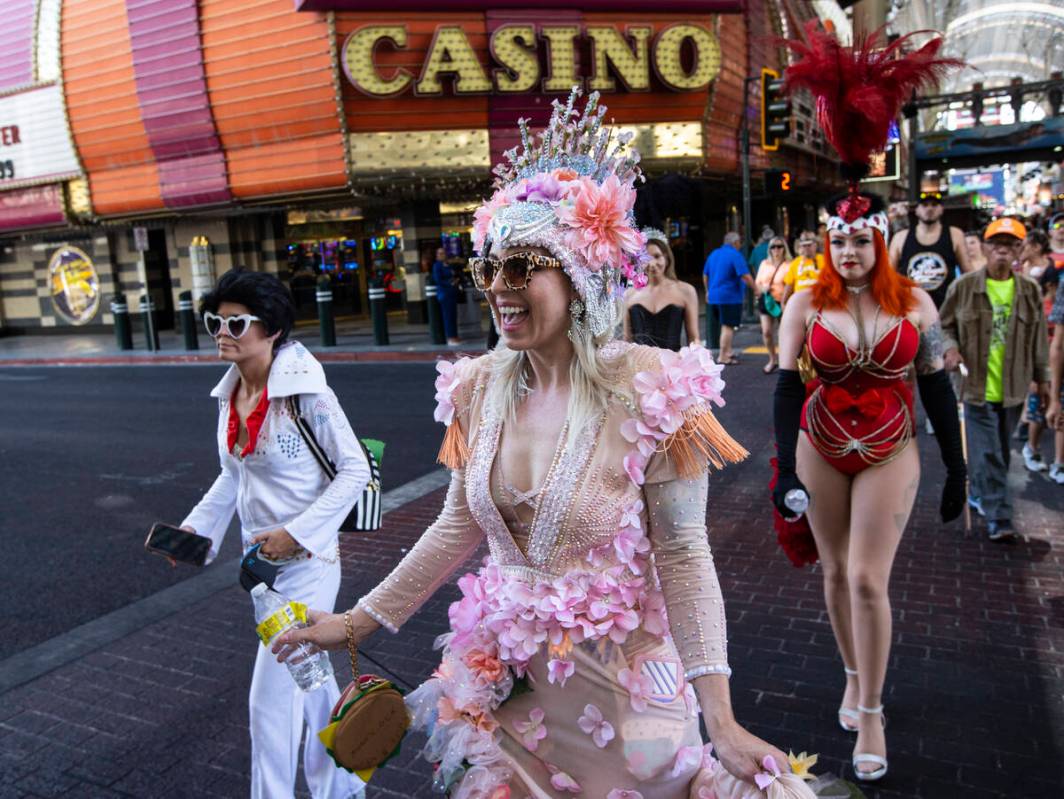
column 324, row 630
column 743, row 753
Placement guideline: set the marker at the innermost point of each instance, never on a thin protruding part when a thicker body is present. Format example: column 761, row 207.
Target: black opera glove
column 787, row 415
column 936, row 394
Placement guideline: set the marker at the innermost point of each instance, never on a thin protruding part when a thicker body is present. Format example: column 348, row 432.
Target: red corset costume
column 860, row 411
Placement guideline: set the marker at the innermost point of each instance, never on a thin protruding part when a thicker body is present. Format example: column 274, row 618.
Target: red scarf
column 254, row 423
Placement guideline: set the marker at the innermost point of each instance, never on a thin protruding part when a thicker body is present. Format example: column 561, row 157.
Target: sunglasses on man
column 931, row 197
column 516, row 269
column 233, row 326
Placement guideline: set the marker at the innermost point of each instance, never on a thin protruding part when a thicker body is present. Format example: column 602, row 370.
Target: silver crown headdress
column 566, row 190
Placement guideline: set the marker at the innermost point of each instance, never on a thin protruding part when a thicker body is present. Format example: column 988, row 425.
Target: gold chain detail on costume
column 863, row 362
column 841, row 444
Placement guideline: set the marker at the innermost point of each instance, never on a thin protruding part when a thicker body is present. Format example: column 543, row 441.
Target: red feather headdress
column 859, row 90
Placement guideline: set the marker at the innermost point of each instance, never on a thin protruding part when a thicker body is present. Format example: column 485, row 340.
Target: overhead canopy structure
column 999, row 39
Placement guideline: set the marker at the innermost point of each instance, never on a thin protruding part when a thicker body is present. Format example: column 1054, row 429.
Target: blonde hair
column 786, row 250
column 592, row 379
column 670, row 259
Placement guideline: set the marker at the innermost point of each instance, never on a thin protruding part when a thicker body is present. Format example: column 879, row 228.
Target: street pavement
column 90, row 458
column 973, row 691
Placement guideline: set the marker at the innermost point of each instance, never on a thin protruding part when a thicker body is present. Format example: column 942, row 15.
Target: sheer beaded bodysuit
column 600, row 591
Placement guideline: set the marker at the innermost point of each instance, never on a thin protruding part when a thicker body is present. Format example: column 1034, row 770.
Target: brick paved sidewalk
column 973, row 692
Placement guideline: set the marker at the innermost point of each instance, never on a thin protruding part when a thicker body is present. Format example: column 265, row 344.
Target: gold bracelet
column 352, row 650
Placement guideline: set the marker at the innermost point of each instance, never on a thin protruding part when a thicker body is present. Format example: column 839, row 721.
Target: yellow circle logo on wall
column 75, row 285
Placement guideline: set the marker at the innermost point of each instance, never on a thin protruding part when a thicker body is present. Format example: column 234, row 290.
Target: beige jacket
column 967, row 319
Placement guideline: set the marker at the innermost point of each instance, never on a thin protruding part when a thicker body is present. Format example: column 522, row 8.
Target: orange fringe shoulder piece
column 701, row 438
column 456, row 388
column 454, row 451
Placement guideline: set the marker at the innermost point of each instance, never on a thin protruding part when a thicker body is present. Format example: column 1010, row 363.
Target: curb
column 422, row 356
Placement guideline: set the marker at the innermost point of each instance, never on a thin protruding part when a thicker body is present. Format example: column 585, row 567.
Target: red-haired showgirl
column 865, row 327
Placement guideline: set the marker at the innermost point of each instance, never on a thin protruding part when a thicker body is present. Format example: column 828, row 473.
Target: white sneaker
column 1033, row 460
column 1056, row 473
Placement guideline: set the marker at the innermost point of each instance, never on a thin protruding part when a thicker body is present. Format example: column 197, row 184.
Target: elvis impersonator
column 285, row 502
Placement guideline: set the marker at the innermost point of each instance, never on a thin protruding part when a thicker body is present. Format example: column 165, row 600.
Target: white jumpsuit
column 280, row 484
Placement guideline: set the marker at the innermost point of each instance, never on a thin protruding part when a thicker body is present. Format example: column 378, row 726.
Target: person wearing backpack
column 287, row 503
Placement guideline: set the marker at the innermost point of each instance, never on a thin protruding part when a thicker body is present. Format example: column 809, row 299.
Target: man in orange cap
column 994, row 324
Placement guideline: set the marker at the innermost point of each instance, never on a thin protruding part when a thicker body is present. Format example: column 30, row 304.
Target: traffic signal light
column 778, row 181
column 775, row 110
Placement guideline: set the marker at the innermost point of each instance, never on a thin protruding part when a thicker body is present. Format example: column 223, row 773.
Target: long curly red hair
column 891, row 290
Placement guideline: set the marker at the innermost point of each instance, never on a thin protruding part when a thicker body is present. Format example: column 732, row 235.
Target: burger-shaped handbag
column 369, row 721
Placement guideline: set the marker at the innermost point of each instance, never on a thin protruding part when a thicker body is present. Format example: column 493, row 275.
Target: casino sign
column 683, row 56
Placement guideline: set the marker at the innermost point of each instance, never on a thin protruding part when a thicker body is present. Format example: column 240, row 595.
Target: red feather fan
column 859, row 90
column 795, row 537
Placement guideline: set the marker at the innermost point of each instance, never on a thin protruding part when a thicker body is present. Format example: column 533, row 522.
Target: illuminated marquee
column 684, row 56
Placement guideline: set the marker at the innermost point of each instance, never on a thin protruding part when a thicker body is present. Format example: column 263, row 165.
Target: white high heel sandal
column 849, row 712
column 863, row 757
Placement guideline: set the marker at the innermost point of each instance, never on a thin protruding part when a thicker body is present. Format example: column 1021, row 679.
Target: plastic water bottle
column 797, row 501
column 274, row 615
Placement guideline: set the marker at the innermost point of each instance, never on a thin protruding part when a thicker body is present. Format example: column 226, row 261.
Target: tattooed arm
column 929, row 357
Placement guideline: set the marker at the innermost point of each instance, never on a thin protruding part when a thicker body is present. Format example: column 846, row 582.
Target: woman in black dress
column 658, row 313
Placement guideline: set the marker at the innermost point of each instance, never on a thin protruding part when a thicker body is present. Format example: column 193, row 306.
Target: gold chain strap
column 352, row 649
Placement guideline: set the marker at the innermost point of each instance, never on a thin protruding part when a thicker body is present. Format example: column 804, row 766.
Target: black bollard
column 151, row 328
column 188, row 320
column 326, row 321
column 435, row 317
column 123, row 331
column 378, row 298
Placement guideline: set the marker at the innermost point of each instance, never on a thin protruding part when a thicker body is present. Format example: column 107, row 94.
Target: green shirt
column 1001, row 294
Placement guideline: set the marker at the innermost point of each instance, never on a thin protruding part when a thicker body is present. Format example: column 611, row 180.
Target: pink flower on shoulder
column 532, row 731
column 593, row 724
column 638, row 686
column 447, row 380
column 559, row 671
column 704, row 373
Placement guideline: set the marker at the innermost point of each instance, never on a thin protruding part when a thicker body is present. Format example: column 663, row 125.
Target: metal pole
column 748, row 241
column 149, row 317
column 914, row 165
column 147, row 306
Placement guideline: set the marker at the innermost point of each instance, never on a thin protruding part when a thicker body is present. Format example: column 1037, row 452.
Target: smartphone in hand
column 173, row 542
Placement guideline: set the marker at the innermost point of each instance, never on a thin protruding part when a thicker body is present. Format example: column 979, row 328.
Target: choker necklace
column 858, row 289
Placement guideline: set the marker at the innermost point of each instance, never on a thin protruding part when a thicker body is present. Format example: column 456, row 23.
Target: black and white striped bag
column 365, row 516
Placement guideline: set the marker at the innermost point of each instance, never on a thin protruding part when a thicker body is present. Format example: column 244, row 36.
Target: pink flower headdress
column 566, row 190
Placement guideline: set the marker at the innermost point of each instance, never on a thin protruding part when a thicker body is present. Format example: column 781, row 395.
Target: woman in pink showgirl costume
column 583, row 650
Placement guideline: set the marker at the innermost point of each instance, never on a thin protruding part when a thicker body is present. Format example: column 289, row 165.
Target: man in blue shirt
column 723, row 276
